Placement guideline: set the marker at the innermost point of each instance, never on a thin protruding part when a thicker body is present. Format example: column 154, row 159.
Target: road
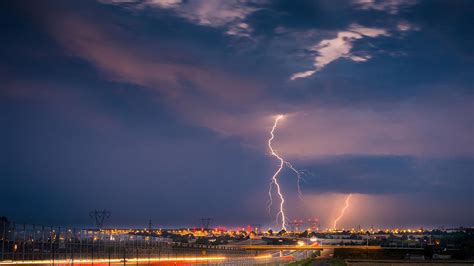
column 305, row 247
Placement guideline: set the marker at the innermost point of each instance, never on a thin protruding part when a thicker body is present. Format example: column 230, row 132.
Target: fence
column 22, row 242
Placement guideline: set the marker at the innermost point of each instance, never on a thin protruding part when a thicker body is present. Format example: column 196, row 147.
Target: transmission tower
column 314, row 224
column 206, row 222
column 150, row 225
column 296, row 225
column 99, row 217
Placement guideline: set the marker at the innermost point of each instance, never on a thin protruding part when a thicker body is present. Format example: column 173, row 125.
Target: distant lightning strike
column 342, row 211
column 274, row 181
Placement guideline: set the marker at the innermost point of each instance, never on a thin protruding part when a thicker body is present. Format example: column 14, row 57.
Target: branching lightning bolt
column 274, row 181
column 281, row 212
column 298, row 178
column 342, row 211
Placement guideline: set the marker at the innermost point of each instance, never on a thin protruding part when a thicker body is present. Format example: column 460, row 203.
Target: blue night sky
column 161, row 109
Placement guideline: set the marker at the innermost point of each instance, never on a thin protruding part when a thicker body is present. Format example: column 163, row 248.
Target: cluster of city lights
column 255, row 231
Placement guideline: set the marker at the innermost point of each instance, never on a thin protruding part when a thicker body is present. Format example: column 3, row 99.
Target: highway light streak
column 90, row 261
column 261, row 257
column 342, row 211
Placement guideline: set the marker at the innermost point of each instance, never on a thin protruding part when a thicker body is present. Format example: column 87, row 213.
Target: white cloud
column 230, row 14
column 153, row 3
column 329, row 50
column 216, row 13
column 117, row 1
column 357, row 58
column 366, row 31
column 390, row 6
column 405, row 26
column 240, row 29
column 164, row 3
column 303, row 74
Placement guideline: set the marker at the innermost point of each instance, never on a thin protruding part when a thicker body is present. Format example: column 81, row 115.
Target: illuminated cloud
column 153, row 3
column 390, row 6
column 164, row 3
column 124, row 62
column 212, row 13
column 329, row 50
column 382, row 211
column 240, row 29
column 406, row 26
column 400, row 129
column 217, row 94
column 405, row 129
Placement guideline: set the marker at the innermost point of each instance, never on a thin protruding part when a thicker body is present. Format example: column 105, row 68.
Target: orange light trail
column 130, row 260
column 342, row 211
column 281, row 212
column 90, row 261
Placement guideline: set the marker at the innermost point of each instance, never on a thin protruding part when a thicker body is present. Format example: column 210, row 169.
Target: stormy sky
column 161, row 109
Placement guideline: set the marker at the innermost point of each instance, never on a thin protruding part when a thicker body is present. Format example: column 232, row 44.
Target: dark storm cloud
column 161, row 109
column 391, row 174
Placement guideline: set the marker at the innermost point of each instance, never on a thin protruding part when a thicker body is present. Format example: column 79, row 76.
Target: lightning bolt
column 342, row 211
column 298, row 178
column 274, row 180
column 281, row 212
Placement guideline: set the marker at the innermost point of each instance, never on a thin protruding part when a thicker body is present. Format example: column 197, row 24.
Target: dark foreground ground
column 354, row 257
